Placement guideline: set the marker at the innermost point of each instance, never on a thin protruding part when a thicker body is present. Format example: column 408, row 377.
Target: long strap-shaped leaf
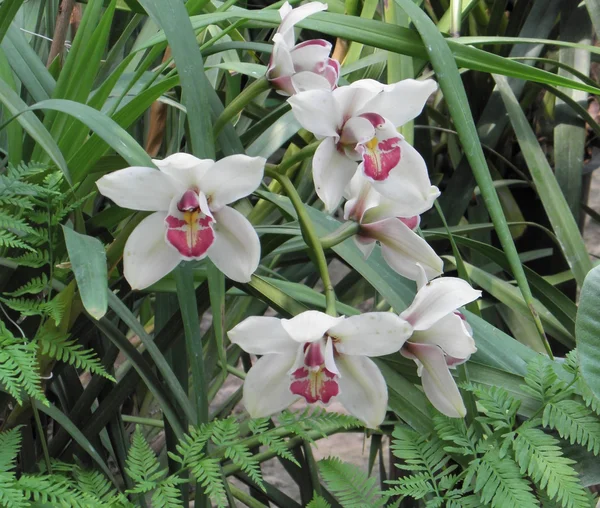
column 8, row 10
column 558, row 211
column 456, row 98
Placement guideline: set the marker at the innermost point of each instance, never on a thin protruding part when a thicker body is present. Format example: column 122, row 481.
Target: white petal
column 402, row 248
column 267, row 386
column 402, row 101
column 357, row 130
column 437, row 299
column 318, row 112
column 438, row 383
column 311, row 55
column 361, row 197
column 329, row 357
column 262, row 335
column 449, row 333
column 290, row 18
column 365, row 245
column 363, row 390
column 351, row 99
column 236, row 249
column 232, row 178
column 309, row 326
column 139, row 188
column 306, row 80
column 281, row 63
column 147, row 257
column 186, row 169
column 408, row 185
column 371, row 334
column 332, row 171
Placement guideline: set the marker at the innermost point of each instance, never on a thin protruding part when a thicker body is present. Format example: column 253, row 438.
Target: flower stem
column 345, row 231
column 299, row 156
column 310, row 237
column 240, row 102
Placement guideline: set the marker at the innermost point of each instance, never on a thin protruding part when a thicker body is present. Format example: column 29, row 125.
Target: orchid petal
column 402, row 248
column 280, row 64
column 306, row 80
column 329, row 357
column 186, row 169
column 351, row 99
column 364, row 244
column 408, row 184
column 361, row 197
column 438, row 383
column 261, row 335
column 311, row 55
column 232, row 178
column 236, row 249
column 332, row 171
column 437, row 299
column 370, row 334
column 449, row 333
column 332, row 72
column 363, row 391
column 147, row 258
column 267, row 385
column 139, row 188
column 318, row 112
column 309, row 326
column 291, row 17
column 357, row 130
column 402, row 101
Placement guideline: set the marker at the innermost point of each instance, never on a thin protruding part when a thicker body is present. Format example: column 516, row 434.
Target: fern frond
column 574, row 422
column 539, row 454
column 34, row 286
column 10, row 442
column 497, row 404
column 142, row 466
column 94, row 483
column 57, row 346
column 18, row 367
column 588, row 396
column 241, row 456
column 318, row 502
column 207, row 472
column 11, row 496
column 499, row 483
column 167, row 494
column 35, row 259
column 419, row 453
column 416, row 486
column 277, row 445
column 454, row 430
column 10, row 240
column 352, row 487
column 55, row 491
column 541, row 380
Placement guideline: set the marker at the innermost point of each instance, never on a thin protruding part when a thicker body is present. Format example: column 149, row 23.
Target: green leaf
column 555, row 205
column 8, row 10
column 587, row 330
column 88, row 260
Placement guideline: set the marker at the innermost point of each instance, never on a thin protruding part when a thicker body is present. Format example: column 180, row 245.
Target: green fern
column 167, row 494
column 207, row 472
column 11, row 240
column 10, row 442
column 35, row 259
column 416, row 486
column 542, row 382
column 142, row 466
column 18, row 367
column 352, row 487
column 540, row 456
column 318, row 502
column 53, row 309
column 57, row 346
column 34, row 286
column 574, row 422
column 56, row 491
column 499, row 407
column 499, row 483
column 454, row 430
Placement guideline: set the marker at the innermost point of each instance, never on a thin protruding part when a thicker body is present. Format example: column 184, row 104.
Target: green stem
column 240, row 102
column 189, row 312
column 150, row 422
column 310, row 237
column 247, row 499
column 299, row 156
column 345, row 231
column 41, row 435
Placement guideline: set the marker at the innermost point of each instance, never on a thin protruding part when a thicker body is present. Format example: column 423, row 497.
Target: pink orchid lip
column 188, row 202
column 380, row 157
column 411, row 222
column 313, row 381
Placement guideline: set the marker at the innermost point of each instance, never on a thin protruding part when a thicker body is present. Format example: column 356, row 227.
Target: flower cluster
column 362, row 158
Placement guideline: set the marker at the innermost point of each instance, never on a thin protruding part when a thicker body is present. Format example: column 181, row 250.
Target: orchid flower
column 441, row 340
column 191, row 220
column 391, row 223
column 319, row 358
column 305, row 66
column 358, row 124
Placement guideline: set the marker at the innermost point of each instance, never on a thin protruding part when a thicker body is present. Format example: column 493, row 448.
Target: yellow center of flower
column 371, row 144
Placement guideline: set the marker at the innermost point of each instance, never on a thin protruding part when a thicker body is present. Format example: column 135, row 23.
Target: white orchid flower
column 442, row 339
column 319, row 358
column 306, row 66
column 191, row 219
column 392, row 224
column 358, row 124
